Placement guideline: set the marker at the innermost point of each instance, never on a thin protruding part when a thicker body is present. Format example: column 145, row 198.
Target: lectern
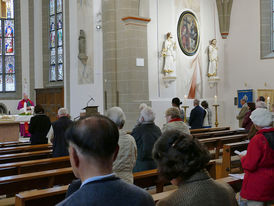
column 91, row 110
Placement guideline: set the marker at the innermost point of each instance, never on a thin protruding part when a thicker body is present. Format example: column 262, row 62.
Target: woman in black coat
column 39, row 126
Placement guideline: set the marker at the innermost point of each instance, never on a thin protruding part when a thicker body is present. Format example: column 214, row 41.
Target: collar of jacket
column 176, row 120
column 271, row 129
column 198, row 176
column 147, row 123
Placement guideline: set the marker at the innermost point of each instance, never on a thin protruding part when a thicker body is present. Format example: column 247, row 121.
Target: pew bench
column 218, row 133
column 213, row 129
column 23, row 167
column 27, row 148
column 24, row 156
column 13, row 144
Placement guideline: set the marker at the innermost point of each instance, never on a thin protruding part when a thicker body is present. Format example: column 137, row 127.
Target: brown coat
column 200, row 189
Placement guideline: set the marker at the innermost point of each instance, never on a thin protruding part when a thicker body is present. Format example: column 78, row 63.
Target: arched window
column 7, row 51
column 56, row 40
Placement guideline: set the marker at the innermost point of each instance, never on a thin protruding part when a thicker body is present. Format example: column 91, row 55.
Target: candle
column 215, row 99
column 268, row 102
column 185, row 97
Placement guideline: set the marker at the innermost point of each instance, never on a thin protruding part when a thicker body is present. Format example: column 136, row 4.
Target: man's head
column 261, row 118
column 142, row 106
column 117, row 115
column 62, row 112
column 147, row 115
column 260, row 98
column 196, row 102
column 243, row 101
column 25, row 96
column 172, row 113
column 93, row 143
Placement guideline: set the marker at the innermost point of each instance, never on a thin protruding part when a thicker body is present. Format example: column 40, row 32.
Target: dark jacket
column 200, row 189
column 59, row 144
column 196, row 118
column 145, row 136
column 247, row 123
column 39, row 128
column 109, row 191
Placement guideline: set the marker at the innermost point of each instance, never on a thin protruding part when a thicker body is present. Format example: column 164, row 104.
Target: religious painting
column 60, row 72
column 60, row 37
column 51, row 7
column 52, row 23
column 9, row 28
column 52, row 73
column 9, row 49
column 52, row 56
column 9, row 64
column 59, row 6
column 247, row 94
column 10, row 82
column 52, row 39
column 188, row 33
column 60, row 55
column 59, row 21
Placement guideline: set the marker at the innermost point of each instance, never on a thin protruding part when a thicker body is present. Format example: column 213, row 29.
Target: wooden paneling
column 51, row 99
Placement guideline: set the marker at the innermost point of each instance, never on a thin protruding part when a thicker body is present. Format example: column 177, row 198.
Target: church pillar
column 224, row 12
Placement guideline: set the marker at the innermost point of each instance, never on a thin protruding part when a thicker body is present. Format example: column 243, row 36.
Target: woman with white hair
column 258, row 163
column 126, row 158
column 145, row 136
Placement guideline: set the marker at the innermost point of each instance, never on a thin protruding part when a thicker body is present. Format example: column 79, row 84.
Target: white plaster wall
column 242, row 57
column 80, row 94
column 164, row 17
column 38, row 47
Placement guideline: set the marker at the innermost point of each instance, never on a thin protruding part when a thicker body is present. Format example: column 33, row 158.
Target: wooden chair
column 228, row 154
column 24, row 167
column 24, row 156
column 203, row 130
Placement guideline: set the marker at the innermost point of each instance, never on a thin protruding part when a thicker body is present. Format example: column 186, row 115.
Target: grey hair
column 261, row 104
column 117, row 115
column 148, row 114
column 142, row 106
column 62, row 112
column 196, row 101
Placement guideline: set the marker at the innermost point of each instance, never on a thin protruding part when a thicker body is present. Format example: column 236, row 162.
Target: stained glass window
column 56, row 40
column 7, row 52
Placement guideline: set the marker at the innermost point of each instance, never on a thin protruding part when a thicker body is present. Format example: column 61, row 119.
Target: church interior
column 88, row 56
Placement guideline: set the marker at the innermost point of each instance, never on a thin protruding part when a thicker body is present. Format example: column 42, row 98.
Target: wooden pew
column 27, row 148
column 17, row 168
column 218, row 142
column 13, row 144
column 213, row 129
column 10, row 185
column 218, row 133
column 24, row 156
column 228, row 153
column 234, row 183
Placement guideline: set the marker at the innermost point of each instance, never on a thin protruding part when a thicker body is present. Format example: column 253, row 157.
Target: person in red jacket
column 258, row 163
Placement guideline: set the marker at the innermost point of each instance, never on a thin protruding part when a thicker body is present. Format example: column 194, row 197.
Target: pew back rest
column 202, row 130
column 27, row 148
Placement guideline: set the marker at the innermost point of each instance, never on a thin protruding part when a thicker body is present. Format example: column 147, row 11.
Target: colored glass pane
column 0, row 46
column 9, row 64
column 9, row 9
column 10, row 82
column 52, row 23
column 9, row 28
column 52, row 39
column 9, row 46
column 59, row 6
column 52, row 73
column 60, row 55
column 52, row 56
column 51, row 7
column 59, row 21
column 60, row 72
column 1, row 83
column 1, row 70
column 60, row 37
column 0, row 28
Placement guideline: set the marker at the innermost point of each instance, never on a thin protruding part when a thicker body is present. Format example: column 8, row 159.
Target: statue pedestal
column 213, row 81
column 168, row 80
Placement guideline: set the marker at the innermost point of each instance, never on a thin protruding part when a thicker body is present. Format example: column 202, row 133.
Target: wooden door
column 51, row 100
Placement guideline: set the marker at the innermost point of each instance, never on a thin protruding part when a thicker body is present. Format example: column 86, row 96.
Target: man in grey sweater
column 93, row 147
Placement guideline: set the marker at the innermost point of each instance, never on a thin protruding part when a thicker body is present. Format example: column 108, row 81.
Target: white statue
column 213, row 59
column 168, row 52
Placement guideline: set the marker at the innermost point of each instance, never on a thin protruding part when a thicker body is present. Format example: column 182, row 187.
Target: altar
column 11, row 127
